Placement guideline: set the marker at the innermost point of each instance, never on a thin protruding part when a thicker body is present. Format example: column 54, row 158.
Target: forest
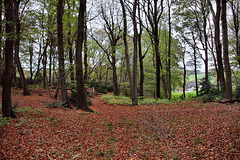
column 119, row 79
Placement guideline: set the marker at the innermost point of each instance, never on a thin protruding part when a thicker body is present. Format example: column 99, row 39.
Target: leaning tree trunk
column 225, row 51
column 62, row 81
column 7, row 81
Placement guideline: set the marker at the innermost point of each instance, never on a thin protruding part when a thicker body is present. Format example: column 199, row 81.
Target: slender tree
column 81, row 94
column 225, row 51
column 126, row 46
column 218, row 46
column 61, row 74
column 153, row 10
column 17, row 45
column 135, row 43
column 7, row 81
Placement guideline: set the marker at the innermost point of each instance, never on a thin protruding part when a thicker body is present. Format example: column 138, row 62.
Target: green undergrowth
column 127, row 100
column 123, row 100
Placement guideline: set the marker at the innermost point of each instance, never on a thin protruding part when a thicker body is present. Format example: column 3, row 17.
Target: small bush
column 127, row 100
column 54, row 104
column 4, row 120
column 209, row 92
column 237, row 91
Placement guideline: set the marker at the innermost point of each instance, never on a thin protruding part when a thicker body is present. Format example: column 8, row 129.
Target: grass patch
column 127, row 100
column 4, row 120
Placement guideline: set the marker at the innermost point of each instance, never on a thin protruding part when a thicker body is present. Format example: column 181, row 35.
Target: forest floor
column 187, row 130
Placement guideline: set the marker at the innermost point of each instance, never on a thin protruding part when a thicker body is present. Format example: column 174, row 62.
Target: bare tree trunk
column 135, row 43
column 61, row 74
column 184, row 74
column 1, row 30
column 31, row 59
column 70, row 45
column 50, row 61
column 81, row 94
column 195, row 62
column 225, row 51
column 126, row 47
column 141, row 57
column 6, row 93
column 115, row 83
column 17, row 43
column 85, row 52
column 169, row 52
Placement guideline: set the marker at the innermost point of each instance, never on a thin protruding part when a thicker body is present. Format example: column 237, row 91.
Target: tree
column 61, row 74
column 81, row 95
column 225, row 51
column 17, row 45
column 153, row 11
column 7, row 81
column 235, row 7
column 135, row 43
column 109, row 13
column 126, row 46
column 218, row 46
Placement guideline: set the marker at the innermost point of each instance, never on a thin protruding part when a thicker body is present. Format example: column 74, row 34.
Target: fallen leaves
column 202, row 131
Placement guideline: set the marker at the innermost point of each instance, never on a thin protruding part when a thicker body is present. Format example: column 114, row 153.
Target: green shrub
column 209, row 92
column 54, row 104
column 4, row 120
column 237, row 91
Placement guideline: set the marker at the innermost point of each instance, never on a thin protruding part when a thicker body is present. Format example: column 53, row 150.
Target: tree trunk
column 225, row 51
column 1, row 55
column 17, row 43
column 70, row 45
column 141, row 57
column 61, row 74
column 219, row 47
column 126, row 47
column 195, row 62
column 7, row 81
column 184, row 74
column 85, row 53
column 135, row 43
column 31, row 59
column 115, row 83
column 169, row 52
column 81, row 95
column 50, row 61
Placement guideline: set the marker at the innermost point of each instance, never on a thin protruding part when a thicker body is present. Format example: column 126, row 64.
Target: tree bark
column 7, row 81
column 225, row 51
column 81, row 95
column 135, row 43
column 126, row 47
column 141, row 57
column 61, row 74
column 169, row 52
column 17, row 43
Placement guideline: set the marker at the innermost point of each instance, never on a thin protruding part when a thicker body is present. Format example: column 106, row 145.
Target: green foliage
column 117, row 99
column 150, row 101
column 54, row 104
column 4, row 120
column 209, row 92
column 127, row 100
column 237, row 91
